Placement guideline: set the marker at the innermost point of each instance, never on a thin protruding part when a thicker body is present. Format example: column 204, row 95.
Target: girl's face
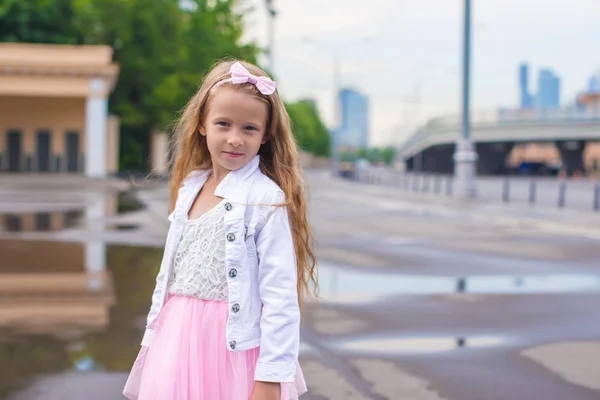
column 235, row 127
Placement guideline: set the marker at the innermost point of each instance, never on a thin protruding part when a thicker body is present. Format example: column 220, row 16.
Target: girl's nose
column 235, row 140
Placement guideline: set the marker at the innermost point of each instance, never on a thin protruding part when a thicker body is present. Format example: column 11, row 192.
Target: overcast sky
column 415, row 52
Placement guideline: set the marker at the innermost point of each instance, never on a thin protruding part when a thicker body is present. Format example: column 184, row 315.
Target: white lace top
column 199, row 266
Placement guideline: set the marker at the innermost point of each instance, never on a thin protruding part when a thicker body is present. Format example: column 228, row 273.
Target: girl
column 225, row 317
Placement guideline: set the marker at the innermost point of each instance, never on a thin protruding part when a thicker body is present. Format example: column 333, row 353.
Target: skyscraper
column 354, row 129
column 594, row 84
column 526, row 99
column 548, row 95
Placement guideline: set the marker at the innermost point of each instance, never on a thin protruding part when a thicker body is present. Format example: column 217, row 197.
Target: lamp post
column 465, row 156
column 271, row 34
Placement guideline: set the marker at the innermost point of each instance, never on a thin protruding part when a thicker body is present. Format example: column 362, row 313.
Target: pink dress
column 188, row 358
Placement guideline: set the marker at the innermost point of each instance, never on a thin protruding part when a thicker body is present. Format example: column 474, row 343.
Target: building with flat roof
column 54, row 109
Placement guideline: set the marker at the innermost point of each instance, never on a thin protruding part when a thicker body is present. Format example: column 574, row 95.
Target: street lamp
column 335, row 55
column 271, row 33
column 465, row 157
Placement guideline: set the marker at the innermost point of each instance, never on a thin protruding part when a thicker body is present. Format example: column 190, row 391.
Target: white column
column 95, row 247
column 96, row 115
column 160, row 153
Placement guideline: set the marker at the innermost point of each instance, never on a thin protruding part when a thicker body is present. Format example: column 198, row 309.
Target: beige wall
column 591, row 153
column 49, row 86
column 31, row 113
column 159, row 153
column 548, row 153
column 534, row 152
column 59, row 116
column 112, row 144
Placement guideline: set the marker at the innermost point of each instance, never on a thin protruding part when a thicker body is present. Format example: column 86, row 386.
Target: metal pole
column 465, row 157
column 562, row 191
column 532, row 190
column 506, row 191
column 271, row 34
column 466, row 121
column 337, row 125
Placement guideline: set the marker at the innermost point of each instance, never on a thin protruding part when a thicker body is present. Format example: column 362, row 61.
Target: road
column 444, row 305
column 422, row 298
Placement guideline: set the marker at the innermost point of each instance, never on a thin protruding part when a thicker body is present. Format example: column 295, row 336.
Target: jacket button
column 228, row 206
column 231, row 237
column 232, row 345
column 235, row 308
column 232, row 273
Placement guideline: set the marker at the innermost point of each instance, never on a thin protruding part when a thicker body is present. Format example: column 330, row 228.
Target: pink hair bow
column 239, row 74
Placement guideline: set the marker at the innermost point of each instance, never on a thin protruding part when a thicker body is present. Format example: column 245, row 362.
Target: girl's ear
column 201, row 130
column 265, row 139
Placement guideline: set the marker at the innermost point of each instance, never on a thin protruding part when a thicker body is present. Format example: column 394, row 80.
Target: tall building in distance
column 594, row 84
column 354, row 127
column 548, row 89
column 526, row 98
column 548, row 95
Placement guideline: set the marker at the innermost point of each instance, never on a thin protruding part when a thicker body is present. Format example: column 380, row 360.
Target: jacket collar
column 230, row 182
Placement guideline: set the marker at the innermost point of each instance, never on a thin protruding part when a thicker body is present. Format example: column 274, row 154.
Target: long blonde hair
column 279, row 160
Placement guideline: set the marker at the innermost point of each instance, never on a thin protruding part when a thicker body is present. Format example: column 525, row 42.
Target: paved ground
column 422, row 297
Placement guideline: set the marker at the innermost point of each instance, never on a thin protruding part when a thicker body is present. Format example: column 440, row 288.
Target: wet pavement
column 419, row 299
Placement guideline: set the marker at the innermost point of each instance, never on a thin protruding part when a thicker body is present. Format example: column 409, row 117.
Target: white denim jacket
column 260, row 263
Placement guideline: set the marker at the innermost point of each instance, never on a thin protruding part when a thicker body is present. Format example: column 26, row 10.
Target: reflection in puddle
column 344, row 285
column 123, row 227
column 128, row 202
column 57, row 220
column 60, row 313
column 41, row 221
column 421, row 345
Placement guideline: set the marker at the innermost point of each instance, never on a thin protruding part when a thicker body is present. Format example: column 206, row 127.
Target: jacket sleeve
column 277, row 278
column 157, row 295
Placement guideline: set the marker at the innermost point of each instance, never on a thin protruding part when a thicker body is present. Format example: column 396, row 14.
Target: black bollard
column 437, row 184
column 449, row 186
column 532, row 187
column 562, row 194
column 597, row 197
column 426, row 179
column 506, row 191
column 415, row 183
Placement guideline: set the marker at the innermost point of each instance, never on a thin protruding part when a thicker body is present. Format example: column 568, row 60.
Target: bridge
column 495, row 134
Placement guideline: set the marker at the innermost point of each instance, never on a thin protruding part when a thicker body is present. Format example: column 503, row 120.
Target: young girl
column 225, row 317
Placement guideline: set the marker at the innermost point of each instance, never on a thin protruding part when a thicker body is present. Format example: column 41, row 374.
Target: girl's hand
column 266, row 391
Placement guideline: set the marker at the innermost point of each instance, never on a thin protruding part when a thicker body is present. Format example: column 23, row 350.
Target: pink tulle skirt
column 189, row 359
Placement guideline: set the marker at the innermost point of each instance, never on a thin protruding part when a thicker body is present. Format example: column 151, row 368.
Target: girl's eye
column 250, row 128
column 223, row 124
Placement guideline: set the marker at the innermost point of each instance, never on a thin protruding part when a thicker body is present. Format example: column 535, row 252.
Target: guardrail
column 500, row 117
column 533, row 191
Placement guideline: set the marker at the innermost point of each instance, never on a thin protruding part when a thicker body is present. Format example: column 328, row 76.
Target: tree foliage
column 163, row 49
column 311, row 134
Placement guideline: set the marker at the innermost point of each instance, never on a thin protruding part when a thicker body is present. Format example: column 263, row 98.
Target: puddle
column 344, row 285
column 406, row 345
column 122, row 227
column 127, row 202
column 70, row 307
column 57, row 220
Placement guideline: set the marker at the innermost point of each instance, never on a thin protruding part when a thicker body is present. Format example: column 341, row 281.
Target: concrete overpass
column 430, row 148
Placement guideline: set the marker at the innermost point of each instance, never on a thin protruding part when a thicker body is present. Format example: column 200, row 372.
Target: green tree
column 374, row 155
column 311, row 134
column 163, row 51
column 362, row 153
column 42, row 21
column 388, row 154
